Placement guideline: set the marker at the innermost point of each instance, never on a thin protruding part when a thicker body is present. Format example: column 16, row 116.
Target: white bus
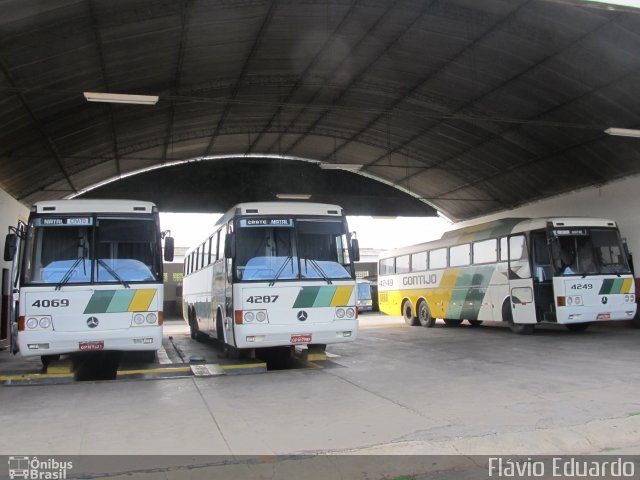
column 88, row 277
column 569, row 271
column 273, row 274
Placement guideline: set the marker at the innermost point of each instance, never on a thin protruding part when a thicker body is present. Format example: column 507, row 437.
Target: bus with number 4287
column 570, row 271
column 273, row 274
column 87, row 277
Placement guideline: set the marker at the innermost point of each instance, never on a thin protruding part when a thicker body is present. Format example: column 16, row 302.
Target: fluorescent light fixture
column 340, row 166
column 293, row 196
column 121, row 98
column 623, row 132
column 622, row 3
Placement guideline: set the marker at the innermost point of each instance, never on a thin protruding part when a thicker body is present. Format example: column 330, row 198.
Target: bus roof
column 281, row 208
column 93, row 206
column 499, row 228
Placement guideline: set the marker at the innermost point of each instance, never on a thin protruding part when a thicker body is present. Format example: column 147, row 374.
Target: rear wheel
column 407, row 314
column 577, row 327
column 450, row 322
column 424, row 315
column 475, row 323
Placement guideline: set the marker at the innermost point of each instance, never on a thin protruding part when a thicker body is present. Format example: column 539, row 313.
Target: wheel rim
column 423, row 313
column 407, row 311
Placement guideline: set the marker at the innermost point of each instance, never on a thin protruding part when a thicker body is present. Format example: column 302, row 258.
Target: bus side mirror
column 168, row 249
column 355, row 248
column 10, row 247
column 230, row 245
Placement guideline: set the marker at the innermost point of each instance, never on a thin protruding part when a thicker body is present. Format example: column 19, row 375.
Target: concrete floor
column 397, row 390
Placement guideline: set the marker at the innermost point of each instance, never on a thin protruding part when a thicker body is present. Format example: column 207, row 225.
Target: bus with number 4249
column 87, row 277
column 273, row 274
column 526, row 272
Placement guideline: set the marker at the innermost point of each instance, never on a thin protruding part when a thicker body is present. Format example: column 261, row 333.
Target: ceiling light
column 121, row 98
column 293, row 196
column 623, row 132
column 340, row 166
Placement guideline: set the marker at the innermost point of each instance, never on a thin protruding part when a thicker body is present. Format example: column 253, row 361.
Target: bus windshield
column 588, row 251
column 288, row 249
column 91, row 250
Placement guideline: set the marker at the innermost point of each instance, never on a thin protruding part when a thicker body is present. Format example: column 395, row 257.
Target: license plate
column 603, row 316
column 300, row 338
column 91, row 346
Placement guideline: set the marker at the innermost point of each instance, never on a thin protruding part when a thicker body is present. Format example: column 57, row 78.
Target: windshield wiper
column 112, row 272
column 316, row 266
column 69, row 272
column 280, row 270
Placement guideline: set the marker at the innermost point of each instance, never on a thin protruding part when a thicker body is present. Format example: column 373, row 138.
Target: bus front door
column 520, row 282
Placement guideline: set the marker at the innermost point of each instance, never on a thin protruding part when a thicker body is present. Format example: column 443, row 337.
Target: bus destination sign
column 63, row 222
column 267, row 222
column 561, row 232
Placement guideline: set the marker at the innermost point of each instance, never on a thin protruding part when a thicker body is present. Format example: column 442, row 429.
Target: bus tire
column 194, row 331
column 519, row 328
column 475, row 323
column 452, row 322
column 577, row 327
column 424, row 315
column 219, row 327
column 47, row 359
column 407, row 314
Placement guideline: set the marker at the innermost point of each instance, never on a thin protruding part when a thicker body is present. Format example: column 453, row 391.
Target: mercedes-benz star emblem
column 302, row 315
column 604, row 300
column 92, row 322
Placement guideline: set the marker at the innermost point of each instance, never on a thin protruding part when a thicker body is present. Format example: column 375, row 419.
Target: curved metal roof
column 471, row 107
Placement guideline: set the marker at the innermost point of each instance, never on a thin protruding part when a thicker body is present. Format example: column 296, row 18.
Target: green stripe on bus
column 617, row 285
column 325, row 295
column 605, row 289
column 306, row 297
column 120, row 301
column 99, row 301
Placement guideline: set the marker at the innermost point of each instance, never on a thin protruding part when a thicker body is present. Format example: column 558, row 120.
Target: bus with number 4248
column 87, row 277
column 526, row 272
column 273, row 274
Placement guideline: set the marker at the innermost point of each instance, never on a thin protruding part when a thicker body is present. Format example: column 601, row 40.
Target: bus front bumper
column 53, row 343
column 269, row 335
column 577, row 315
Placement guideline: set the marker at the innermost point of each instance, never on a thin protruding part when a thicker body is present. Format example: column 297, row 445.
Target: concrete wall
column 10, row 212
column 619, row 201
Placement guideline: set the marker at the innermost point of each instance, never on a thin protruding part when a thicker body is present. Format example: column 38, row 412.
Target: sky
column 189, row 229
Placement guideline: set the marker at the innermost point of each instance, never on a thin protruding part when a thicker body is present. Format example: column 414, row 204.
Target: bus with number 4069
column 570, row 271
column 87, row 276
column 273, row 274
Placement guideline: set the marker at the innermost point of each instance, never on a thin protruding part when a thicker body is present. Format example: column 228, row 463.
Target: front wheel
column 577, row 327
column 424, row 315
column 407, row 314
column 519, row 328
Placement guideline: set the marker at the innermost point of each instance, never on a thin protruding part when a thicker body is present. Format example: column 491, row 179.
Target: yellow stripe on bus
column 342, row 296
column 142, row 299
column 626, row 285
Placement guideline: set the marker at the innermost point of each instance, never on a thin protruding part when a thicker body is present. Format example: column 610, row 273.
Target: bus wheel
column 450, row 322
column 475, row 323
column 47, row 359
column 519, row 328
column 193, row 326
column 424, row 315
column 577, row 327
column 407, row 314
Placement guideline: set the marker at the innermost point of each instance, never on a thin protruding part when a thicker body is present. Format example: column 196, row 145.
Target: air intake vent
column 252, row 210
column 139, row 209
column 48, row 209
column 332, row 212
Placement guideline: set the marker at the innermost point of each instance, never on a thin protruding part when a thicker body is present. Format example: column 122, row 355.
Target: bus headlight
column 340, row 313
column 350, row 313
column 138, row 319
column 261, row 316
column 632, row 298
column 32, row 322
column 45, row 322
column 151, row 318
column 249, row 317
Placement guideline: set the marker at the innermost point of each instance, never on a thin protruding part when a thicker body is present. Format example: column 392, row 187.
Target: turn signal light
column 160, row 318
column 562, row 301
column 21, row 324
column 238, row 317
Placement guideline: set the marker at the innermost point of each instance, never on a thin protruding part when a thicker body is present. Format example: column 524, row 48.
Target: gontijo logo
column 36, row 469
